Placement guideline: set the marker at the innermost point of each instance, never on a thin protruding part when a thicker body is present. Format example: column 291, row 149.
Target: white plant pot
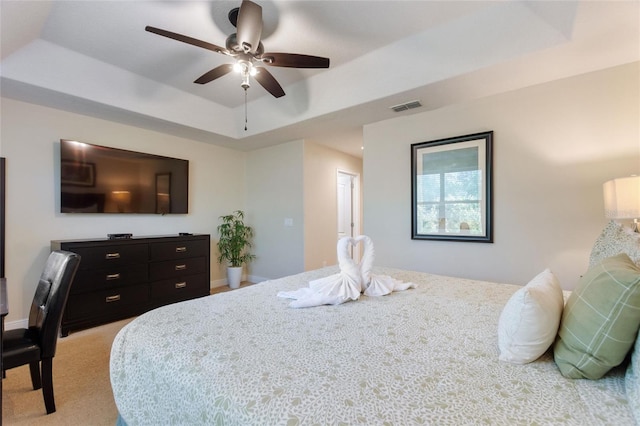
column 234, row 276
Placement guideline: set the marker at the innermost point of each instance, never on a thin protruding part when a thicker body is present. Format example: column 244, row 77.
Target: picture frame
column 74, row 173
column 451, row 189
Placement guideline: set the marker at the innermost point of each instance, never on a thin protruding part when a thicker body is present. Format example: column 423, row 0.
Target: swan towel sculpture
column 352, row 280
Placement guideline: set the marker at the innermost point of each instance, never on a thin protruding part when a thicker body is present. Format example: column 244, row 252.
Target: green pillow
column 600, row 320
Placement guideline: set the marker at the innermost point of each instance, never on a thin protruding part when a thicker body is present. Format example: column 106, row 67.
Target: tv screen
column 99, row 179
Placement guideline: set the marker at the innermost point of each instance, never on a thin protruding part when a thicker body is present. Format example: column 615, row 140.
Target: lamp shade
column 622, row 198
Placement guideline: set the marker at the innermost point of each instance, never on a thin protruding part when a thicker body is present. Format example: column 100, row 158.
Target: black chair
column 36, row 345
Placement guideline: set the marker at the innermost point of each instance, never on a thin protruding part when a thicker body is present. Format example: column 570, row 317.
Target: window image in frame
column 451, row 196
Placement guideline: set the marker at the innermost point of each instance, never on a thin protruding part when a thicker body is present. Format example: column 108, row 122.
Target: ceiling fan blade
column 269, row 82
column 294, row 60
column 214, row 73
column 249, row 27
column 187, row 39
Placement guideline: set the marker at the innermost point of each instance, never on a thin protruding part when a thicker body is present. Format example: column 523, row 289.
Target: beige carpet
column 81, row 384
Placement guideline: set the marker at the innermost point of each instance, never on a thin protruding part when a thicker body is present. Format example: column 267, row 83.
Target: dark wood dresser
column 121, row 278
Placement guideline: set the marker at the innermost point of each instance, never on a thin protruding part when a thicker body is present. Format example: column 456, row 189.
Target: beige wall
column 30, row 142
column 275, row 193
column 321, row 166
column 294, row 180
column 554, row 146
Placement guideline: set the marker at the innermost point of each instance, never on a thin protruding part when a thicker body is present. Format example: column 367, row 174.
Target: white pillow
column 530, row 319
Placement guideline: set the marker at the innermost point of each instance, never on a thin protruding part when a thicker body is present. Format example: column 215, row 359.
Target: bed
column 427, row 355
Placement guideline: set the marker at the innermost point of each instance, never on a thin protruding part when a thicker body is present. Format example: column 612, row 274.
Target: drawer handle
column 183, row 284
column 113, row 277
column 181, row 249
column 113, row 256
column 181, row 267
column 114, row 298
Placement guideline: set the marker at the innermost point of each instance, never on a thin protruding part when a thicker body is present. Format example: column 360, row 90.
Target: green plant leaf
column 234, row 239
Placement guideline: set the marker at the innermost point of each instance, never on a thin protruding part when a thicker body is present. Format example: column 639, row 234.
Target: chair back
column 51, row 297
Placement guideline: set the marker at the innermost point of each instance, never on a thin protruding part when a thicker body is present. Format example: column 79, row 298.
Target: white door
column 347, row 207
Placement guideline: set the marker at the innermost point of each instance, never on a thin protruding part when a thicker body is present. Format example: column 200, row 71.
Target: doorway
column 348, row 192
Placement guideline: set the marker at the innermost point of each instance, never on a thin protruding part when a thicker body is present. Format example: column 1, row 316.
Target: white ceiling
column 94, row 57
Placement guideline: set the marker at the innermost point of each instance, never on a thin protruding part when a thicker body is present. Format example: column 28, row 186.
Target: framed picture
column 451, row 194
column 77, row 174
column 163, row 193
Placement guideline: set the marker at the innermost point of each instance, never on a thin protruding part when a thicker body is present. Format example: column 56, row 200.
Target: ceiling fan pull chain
column 245, row 110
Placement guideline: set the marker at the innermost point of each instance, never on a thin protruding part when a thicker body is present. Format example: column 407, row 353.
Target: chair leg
column 34, row 368
column 47, row 385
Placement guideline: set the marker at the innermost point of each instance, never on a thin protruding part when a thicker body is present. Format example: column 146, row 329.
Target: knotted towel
column 372, row 284
column 349, row 283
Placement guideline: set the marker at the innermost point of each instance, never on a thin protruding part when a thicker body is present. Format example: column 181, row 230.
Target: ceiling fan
column 246, row 48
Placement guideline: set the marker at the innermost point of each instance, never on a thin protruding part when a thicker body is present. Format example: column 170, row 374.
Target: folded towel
column 372, row 284
column 366, row 262
column 350, row 282
column 345, row 285
column 381, row 285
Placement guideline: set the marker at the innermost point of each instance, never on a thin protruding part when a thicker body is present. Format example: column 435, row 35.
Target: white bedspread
column 424, row 356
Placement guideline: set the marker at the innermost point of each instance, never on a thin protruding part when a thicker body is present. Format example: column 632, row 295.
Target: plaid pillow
column 600, row 320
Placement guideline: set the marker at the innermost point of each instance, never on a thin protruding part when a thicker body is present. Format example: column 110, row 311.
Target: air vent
column 406, row 106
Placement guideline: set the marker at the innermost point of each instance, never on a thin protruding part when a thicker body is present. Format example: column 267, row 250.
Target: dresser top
column 135, row 238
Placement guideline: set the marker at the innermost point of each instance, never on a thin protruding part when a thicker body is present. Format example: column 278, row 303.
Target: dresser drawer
column 111, row 255
column 115, row 276
column 106, row 302
column 177, row 268
column 179, row 249
column 180, row 289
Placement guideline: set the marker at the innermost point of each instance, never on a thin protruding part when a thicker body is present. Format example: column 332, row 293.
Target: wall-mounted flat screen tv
column 99, row 179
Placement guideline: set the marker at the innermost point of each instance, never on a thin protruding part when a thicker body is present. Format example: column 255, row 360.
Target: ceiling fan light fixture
column 245, row 67
column 245, row 81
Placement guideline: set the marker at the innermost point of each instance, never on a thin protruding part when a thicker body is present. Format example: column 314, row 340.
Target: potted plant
column 233, row 244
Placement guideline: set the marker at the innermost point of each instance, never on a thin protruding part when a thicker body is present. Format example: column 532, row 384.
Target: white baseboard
column 12, row 325
column 223, row 282
column 218, row 283
column 256, row 279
